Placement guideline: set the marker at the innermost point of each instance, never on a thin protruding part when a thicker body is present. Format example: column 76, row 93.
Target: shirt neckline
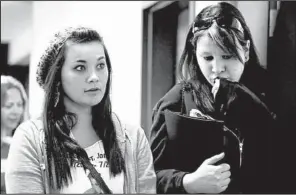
column 88, row 147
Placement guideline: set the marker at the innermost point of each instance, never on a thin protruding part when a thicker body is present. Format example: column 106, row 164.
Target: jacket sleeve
column 23, row 174
column 169, row 180
column 146, row 173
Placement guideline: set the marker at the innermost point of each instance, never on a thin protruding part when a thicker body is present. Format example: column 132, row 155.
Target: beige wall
column 256, row 15
column 16, row 30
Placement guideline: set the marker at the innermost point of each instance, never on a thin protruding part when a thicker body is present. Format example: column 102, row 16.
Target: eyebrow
column 83, row 61
column 101, row 58
column 205, row 53
column 11, row 102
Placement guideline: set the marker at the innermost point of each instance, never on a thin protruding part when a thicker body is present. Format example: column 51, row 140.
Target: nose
column 218, row 66
column 93, row 77
column 17, row 110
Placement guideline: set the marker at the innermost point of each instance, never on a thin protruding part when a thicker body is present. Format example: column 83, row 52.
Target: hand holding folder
column 194, row 139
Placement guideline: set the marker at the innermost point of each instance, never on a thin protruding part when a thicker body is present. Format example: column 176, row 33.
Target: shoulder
column 30, row 130
column 32, row 126
column 171, row 98
column 134, row 131
column 125, row 130
column 136, row 137
column 174, row 93
column 25, row 145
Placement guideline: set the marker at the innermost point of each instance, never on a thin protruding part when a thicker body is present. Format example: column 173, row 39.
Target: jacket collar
column 119, row 128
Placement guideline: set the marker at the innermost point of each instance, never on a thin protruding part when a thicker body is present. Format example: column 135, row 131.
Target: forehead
column 84, row 50
column 13, row 95
column 205, row 44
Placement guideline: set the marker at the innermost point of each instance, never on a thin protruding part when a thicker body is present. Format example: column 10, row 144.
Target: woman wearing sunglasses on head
column 220, row 68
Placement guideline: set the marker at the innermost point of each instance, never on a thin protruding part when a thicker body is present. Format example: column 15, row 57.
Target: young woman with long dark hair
column 220, row 70
column 78, row 145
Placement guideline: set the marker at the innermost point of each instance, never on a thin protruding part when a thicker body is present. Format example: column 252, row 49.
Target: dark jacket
column 282, row 96
column 254, row 120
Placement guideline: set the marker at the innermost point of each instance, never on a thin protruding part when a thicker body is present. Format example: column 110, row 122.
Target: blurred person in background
column 282, row 96
column 13, row 112
column 78, row 145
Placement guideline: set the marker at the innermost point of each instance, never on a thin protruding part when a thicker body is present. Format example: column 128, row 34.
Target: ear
column 247, row 51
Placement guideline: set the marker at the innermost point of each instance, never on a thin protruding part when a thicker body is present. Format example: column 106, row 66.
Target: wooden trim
column 160, row 5
column 149, row 67
column 191, row 10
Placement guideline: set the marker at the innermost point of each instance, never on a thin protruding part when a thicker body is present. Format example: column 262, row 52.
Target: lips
column 214, row 78
column 13, row 120
column 92, row 89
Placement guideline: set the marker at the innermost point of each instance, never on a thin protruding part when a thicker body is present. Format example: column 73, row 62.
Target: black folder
column 192, row 140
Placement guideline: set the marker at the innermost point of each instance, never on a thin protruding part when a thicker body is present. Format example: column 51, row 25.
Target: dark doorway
column 4, row 56
column 165, row 26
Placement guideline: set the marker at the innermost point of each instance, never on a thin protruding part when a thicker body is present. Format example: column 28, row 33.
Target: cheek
column 204, row 67
column 4, row 112
column 237, row 71
column 71, row 84
column 67, row 77
column 71, row 77
column 4, row 115
column 103, row 76
column 22, row 109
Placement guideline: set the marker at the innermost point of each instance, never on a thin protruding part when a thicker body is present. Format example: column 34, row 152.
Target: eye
column 101, row 65
column 79, row 67
column 226, row 57
column 8, row 106
column 208, row 58
column 20, row 104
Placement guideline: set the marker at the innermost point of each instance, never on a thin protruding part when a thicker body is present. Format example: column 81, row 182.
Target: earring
column 57, row 95
column 246, row 58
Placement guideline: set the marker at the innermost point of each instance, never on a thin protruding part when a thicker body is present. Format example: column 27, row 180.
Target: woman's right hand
column 208, row 178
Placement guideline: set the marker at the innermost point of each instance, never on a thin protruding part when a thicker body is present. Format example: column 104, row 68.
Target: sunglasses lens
column 224, row 22
column 203, row 24
column 228, row 22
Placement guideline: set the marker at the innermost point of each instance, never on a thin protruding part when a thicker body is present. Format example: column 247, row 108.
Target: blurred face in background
column 11, row 110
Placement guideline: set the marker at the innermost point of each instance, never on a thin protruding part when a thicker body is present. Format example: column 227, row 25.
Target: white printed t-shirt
column 81, row 183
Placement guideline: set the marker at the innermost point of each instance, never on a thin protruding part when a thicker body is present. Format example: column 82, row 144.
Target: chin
column 13, row 126
column 210, row 82
column 94, row 101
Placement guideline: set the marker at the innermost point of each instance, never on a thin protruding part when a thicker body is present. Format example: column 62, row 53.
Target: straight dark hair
column 188, row 69
column 62, row 150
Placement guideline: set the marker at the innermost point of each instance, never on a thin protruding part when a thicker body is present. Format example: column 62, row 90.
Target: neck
column 5, row 132
column 83, row 130
column 83, row 113
column 5, row 135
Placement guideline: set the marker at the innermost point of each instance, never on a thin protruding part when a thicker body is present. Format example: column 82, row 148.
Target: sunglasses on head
column 223, row 22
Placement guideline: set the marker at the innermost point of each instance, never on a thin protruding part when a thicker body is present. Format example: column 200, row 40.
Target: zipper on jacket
column 241, row 143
